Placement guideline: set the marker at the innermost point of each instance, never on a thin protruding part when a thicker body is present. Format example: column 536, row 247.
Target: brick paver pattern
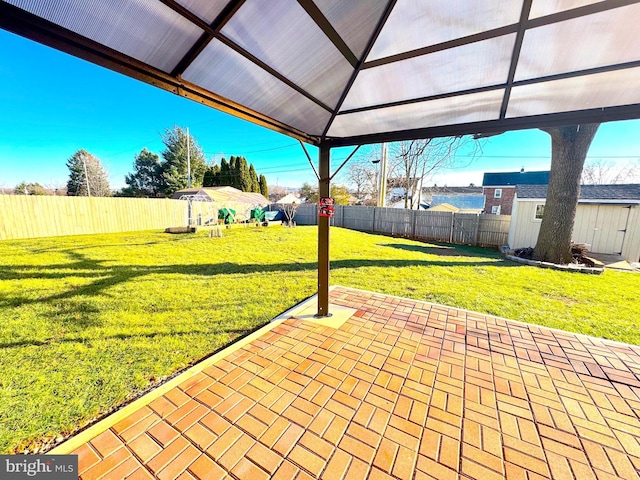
column 404, row 389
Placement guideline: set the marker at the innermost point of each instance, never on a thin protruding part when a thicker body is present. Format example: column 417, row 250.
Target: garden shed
column 607, row 218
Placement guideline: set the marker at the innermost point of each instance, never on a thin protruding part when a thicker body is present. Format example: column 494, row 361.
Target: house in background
column 499, row 188
column 290, row 198
column 607, row 218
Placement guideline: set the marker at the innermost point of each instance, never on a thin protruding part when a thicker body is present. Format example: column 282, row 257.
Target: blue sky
column 54, row 104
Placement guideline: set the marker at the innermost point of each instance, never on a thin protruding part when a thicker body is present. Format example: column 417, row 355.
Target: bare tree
column 289, row 213
column 602, row 172
column 569, row 147
column 276, row 192
column 413, row 162
column 364, row 175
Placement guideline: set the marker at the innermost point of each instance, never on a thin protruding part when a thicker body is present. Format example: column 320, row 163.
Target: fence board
column 461, row 228
column 493, row 229
column 24, row 216
column 434, row 226
column 465, row 228
column 31, row 216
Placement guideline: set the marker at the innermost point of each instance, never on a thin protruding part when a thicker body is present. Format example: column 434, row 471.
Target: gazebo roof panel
column 599, row 90
column 282, row 35
column 207, row 11
column 596, row 40
column 474, row 107
column 485, row 63
column 146, row 30
column 220, row 69
column 354, row 20
column 541, row 8
column 413, row 25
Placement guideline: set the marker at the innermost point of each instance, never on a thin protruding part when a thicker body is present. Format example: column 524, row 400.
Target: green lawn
column 88, row 321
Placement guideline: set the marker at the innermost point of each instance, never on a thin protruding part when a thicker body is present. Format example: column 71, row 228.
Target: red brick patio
column 403, row 389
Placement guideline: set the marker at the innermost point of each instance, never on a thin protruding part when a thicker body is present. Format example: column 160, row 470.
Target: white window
column 497, row 193
column 495, row 210
column 539, row 211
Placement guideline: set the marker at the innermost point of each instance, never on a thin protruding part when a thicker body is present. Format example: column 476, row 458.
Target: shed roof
column 363, row 71
column 629, row 192
column 502, row 179
column 224, row 194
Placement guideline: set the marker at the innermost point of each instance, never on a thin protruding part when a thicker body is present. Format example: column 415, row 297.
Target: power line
column 257, row 151
column 543, row 157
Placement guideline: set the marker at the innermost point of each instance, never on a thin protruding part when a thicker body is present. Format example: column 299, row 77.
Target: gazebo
column 344, row 73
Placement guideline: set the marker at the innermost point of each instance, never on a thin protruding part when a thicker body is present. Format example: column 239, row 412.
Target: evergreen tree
column 234, row 165
column 225, row 172
column 87, row 176
column 246, row 182
column 264, row 189
column 174, row 165
column 25, row 188
column 146, row 179
column 255, row 183
column 211, row 176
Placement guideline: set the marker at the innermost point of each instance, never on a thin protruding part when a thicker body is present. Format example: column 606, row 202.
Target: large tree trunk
column 569, row 147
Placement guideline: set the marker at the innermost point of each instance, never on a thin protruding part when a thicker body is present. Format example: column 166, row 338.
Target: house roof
column 452, row 190
column 469, row 202
column 444, row 207
column 587, row 192
column 503, row 179
column 224, row 195
column 363, row 71
column 290, row 198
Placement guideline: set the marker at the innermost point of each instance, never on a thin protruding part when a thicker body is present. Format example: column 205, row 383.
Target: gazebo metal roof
column 347, row 72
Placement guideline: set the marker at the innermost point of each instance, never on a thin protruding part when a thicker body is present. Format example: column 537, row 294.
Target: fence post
column 475, row 236
column 373, row 222
column 413, row 222
column 453, row 222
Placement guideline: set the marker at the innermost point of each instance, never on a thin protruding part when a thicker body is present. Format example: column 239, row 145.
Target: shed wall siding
column 597, row 225
column 524, row 228
column 631, row 246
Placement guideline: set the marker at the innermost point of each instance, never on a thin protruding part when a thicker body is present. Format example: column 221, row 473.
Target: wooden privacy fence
column 461, row 228
column 30, row 216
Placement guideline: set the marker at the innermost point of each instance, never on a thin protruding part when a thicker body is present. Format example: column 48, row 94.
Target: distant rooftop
column 630, row 192
column 469, row 201
column 452, row 190
column 504, row 179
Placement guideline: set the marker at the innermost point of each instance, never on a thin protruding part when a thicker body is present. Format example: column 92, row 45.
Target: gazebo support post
column 323, row 233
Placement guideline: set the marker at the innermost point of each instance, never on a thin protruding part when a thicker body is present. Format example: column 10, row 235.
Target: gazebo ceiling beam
column 595, row 115
column 209, row 34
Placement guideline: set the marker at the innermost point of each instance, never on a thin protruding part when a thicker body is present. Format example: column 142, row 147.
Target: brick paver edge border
column 103, row 425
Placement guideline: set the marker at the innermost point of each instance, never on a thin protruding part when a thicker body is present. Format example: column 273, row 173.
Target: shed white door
column 601, row 226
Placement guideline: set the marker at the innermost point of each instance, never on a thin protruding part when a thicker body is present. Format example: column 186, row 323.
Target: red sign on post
column 325, row 207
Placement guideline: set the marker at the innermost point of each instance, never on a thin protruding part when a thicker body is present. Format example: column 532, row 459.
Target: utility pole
column 86, row 177
column 189, row 213
column 382, row 187
column 188, row 160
